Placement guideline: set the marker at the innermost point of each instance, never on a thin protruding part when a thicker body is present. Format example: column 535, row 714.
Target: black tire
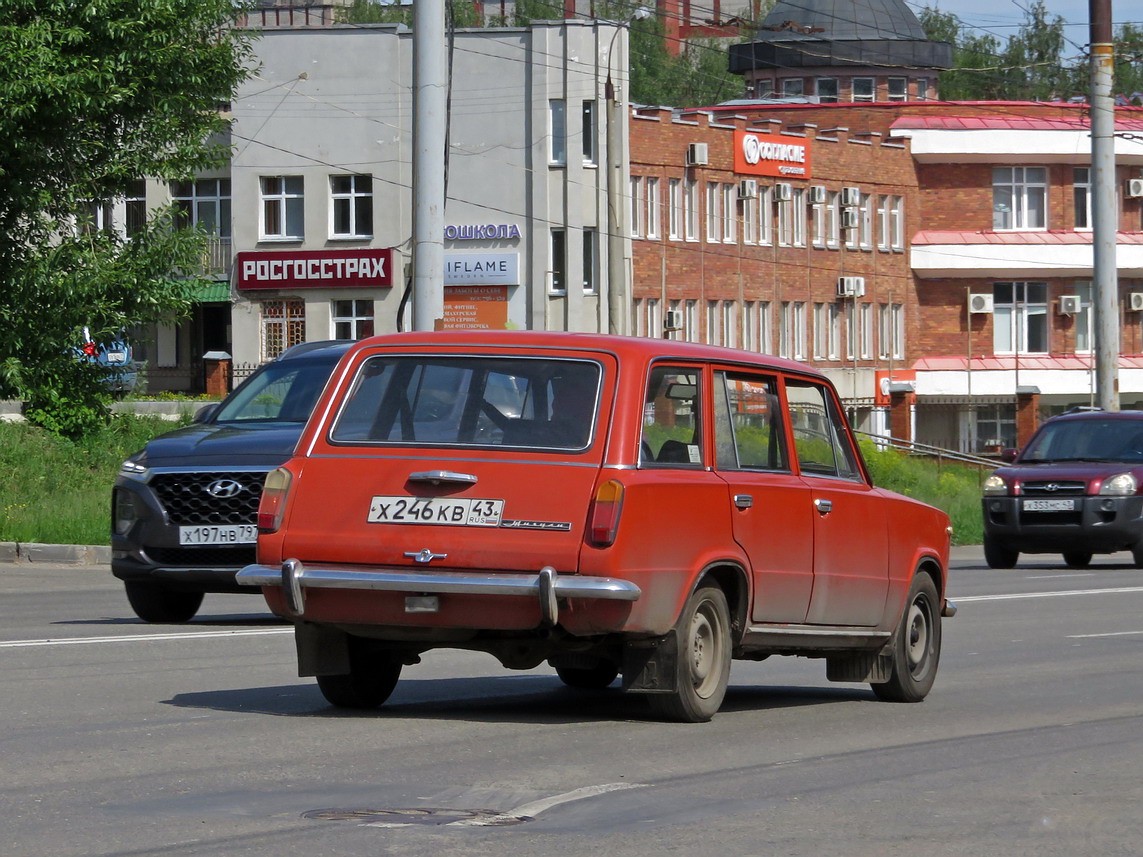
column 1077, row 559
column 916, row 645
column 703, row 667
column 589, row 678
column 998, row 555
column 1137, row 555
column 369, row 682
column 155, row 603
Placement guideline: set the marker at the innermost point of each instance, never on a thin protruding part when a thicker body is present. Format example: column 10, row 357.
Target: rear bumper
column 546, row 587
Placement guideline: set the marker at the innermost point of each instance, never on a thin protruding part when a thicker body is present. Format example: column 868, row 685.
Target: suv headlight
column 994, row 485
column 1120, row 484
column 131, row 467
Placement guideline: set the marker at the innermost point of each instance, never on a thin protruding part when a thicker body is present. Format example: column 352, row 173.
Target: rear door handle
column 743, row 501
column 822, row 505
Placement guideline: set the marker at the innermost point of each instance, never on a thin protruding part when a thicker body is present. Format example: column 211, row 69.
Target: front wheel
column 703, row 663
column 153, row 602
column 998, row 555
column 916, row 647
column 369, row 682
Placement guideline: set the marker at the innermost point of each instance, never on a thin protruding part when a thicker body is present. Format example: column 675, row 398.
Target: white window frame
column 1023, row 185
column 799, row 331
column 713, row 213
column 558, row 261
column 863, row 97
column 750, row 221
column 557, row 132
column 766, row 215
column 355, row 318
column 765, row 327
column 1084, row 320
column 635, row 207
column 799, row 212
column 590, row 238
column 588, row 130
column 675, row 209
column 865, row 331
column 651, row 189
column 288, row 201
column 1081, row 189
column 351, row 200
column 1013, row 318
column 690, row 209
column 901, row 84
column 729, row 213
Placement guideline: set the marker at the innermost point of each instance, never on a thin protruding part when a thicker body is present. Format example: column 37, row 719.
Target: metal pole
column 1105, row 226
column 617, row 299
column 430, row 118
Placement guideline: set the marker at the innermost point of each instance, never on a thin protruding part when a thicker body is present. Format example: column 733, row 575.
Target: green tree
column 95, row 94
column 1129, row 63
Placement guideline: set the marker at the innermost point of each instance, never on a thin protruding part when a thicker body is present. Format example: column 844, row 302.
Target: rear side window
column 471, row 401
column 672, row 418
column 748, row 423
column 820, row 440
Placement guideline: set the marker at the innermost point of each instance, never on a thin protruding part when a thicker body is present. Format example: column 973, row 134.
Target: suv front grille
column 1054, row 488
column 187, row 500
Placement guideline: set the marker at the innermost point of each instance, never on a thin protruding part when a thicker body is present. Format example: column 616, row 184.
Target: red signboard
column 315, row 269
column 778, row 155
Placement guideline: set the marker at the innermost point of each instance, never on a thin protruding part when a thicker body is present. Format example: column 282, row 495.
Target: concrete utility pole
column 430, row 124
column 1105, row 217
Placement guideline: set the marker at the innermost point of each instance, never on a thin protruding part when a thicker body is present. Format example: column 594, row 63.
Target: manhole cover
column 402, row 817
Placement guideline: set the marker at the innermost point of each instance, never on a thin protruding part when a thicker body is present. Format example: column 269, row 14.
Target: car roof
column 336, row 346
column 625, row 347
column 1086, row 413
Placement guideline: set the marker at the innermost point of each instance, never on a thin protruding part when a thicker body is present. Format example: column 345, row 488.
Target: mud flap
column 321, row 650
column 651, row 666
column 867, row 667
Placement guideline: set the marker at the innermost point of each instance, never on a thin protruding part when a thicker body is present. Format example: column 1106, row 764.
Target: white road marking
column 142, row 638
column 1016, row 596
column 1106, row 634
column 534, row 808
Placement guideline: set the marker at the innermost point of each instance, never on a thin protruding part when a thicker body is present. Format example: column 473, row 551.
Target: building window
column 559, row 270
column 135, row 208
column 833, row 219
column 351, row 207
column 821, row 332
column 690, row 209
column 729, row 320
column 897, row 222
column 1083, row 320
column 205, row 204
column 557, row 132
column 798, row 332
column 588, row 132
column 820, row 226
column 793, row 87
column 1081, row 194
column 690, row 322
column 729, row 213
column 898, row 89
column 674, row 209
column 1019, row 197
column 713, row 328
column 922, row 89
column 862, row 89
column 654, row 318
column 713, row 213
column 749, row 221
column 995, row 427
column 792, row 219
column 749, row 326
column 765, row 215
column 653, row 219
column 764, row 87
column 891, row 333
column 590, row 261
column 834, row 311
column 765, row 327
column 283, row 208
column 866, row 209
column 352, row 319
column 865, row 331
column 799, row 213
column 1020, row 318
column 785, row 329
column 636, row 207
column 827, row 90
column 283, row 325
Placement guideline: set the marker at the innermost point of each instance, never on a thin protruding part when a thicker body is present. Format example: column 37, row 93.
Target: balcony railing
column 218, row 257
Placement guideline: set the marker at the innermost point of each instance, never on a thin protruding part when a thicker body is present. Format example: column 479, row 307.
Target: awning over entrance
column 212, row 293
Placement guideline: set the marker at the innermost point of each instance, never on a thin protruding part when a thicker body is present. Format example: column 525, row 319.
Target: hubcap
column 917, row 645
column 705, row 650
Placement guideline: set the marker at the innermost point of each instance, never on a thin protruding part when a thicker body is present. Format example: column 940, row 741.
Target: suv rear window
column 471, row 401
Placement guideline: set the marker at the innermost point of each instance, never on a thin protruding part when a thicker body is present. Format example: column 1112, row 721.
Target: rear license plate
column 116, row 357
column 1049, row 505
column 435, row 510
column 219, row 534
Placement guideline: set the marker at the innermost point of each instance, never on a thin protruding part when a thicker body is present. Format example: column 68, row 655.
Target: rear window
column 471, row 401
column 283, row 391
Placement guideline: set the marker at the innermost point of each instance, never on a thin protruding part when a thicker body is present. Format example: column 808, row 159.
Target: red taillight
column 273, row 503
column 605, row 511
column 89, row 349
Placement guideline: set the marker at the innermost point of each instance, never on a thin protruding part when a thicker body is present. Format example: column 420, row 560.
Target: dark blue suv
column 184, row 509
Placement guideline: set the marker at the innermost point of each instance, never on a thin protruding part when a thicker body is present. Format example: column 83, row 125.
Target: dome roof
column 792, row 20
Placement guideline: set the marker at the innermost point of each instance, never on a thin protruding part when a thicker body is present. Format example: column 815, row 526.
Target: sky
column 1004, row 17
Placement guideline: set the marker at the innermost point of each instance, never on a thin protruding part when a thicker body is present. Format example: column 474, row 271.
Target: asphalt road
column 120, row 738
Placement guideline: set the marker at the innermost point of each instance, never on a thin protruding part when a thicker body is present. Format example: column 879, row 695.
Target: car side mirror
column 204, row 413
column 1008, row 455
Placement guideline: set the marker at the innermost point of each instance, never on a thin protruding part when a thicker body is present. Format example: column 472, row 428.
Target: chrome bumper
column 546, row 586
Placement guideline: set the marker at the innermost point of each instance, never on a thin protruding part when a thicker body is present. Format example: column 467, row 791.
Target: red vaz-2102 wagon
column 610, row 505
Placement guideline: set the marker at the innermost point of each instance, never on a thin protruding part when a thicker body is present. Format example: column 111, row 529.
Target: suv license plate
column 435, row 510
column 1049, row 505
column 219, row 534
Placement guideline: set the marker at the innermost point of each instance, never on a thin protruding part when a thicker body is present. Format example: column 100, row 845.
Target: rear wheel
column 369, row 682
column 1137, row 555
column 153, row 602
column 1077, row 559
column 916, row 647
column 589, row 678
column 703, row 663
column 998, row 555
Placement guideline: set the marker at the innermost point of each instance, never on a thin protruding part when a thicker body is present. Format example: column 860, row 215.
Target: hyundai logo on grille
column 1051, row 486
column 224, row 488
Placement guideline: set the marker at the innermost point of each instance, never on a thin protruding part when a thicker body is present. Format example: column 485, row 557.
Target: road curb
column 29, row 552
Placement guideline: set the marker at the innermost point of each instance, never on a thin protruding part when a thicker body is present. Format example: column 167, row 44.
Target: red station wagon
column 610, row 505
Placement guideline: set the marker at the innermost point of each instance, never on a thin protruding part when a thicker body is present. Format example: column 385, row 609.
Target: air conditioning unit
column 1135, row 301
column 980, row 303
column 783, row 192
column 1135, row 188
column 850, row 287
column 851, row 196
column 747, row 188
column 1069, row 304
column 672, row 320
column 850, row 218
column 697, row 155
column 817, row 194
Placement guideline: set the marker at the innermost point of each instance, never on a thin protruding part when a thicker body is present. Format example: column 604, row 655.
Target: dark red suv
column 1075, row 489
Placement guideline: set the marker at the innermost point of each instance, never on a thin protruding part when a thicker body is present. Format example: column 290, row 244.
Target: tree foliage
column 94, row 95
